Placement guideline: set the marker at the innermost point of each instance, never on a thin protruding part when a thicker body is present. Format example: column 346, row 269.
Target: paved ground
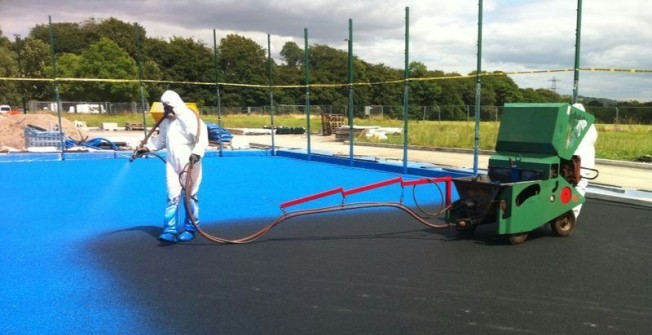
column 86, row 261
column 382, row 273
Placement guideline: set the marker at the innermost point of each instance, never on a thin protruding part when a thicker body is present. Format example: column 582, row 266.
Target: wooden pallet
column 330, row 122
column 134, row 126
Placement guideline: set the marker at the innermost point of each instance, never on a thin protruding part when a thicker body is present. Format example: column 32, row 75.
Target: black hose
column 441, row 196
column 145, row 154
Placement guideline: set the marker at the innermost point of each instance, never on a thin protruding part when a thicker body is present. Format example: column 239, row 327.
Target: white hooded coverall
column 586, row 152
column 182, row 136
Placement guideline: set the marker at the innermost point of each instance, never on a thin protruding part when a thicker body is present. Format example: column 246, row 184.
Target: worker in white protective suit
column 586, row 152
column 185, row 137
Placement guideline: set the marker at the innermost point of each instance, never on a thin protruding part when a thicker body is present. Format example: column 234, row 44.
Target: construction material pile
column 12, row 129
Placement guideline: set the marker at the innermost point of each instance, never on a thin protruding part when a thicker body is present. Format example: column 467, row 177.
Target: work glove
column 194, row 158
column 140, row 151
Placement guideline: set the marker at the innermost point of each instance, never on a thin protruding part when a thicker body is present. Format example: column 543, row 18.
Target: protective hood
column 172, row 98
column 183, row 135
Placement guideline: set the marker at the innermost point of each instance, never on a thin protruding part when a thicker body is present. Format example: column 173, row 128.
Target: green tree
column 68, row 37
column 122, row 33
column 183, row 60
column 539, row 95
column 105, row 59
column 503, row 87
column 8, row 68
column 151, row 71
column 242, row 61
column 157, row 51
column 422, row 93
column 386, row 93
column 329, row 66
column 529, row 95
column 76, row 37
column 451, row 101
column 35, row 58
column 291, row 72
column 68, row 67
column 292, row 54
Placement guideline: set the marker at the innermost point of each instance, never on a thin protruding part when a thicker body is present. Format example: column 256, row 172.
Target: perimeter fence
column 608, row 115
column 86, row 107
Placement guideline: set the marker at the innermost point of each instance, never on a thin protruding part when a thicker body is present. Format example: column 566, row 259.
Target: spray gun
column 138, row 152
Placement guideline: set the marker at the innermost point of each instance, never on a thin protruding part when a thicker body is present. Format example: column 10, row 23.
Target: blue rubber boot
column 189, row 228
column 187, row 236
column 170, row 222
column 167, row 238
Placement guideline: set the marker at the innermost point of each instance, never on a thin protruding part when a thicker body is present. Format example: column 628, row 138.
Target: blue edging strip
column 417, row 169
column 413, row 169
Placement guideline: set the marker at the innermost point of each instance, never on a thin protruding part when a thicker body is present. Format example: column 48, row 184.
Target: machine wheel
column 564, row 224
column 517, row 238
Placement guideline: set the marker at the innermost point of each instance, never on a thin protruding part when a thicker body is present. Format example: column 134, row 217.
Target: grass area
column 621, row 142
column 444, row 134
column 95, row 120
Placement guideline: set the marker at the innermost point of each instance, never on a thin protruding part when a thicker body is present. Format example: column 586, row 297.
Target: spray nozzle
column 138, row 152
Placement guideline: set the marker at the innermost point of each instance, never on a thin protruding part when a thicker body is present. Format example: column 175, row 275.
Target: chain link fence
column 86, row 107
column 606, row 115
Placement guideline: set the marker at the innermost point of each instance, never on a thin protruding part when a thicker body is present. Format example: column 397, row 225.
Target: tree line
column 113, row 49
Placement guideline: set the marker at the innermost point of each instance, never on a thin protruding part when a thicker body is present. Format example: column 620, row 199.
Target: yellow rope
column 472, row 75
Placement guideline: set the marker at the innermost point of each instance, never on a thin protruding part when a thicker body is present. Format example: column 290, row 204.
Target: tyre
column 564, row 224
column 517, row 238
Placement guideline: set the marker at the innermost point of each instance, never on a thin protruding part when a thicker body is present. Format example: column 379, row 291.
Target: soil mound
column 12, row 129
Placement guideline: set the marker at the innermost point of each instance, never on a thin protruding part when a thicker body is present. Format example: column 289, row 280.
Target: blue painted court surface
column 80, row 255
column 54, row 209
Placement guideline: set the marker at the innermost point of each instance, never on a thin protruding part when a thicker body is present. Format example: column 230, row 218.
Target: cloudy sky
column 518, row 35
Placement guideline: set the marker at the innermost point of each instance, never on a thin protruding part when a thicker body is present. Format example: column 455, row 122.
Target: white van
column 4, row 109
column 87, row 109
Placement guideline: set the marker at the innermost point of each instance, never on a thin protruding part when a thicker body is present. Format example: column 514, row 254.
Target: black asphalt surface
column 381, row 272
